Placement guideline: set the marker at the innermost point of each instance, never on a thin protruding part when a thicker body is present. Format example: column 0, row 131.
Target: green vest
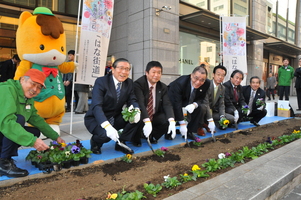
column 54, row 85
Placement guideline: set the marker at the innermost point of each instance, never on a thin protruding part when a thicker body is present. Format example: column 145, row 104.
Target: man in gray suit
column 215, row 96
column 271, row 84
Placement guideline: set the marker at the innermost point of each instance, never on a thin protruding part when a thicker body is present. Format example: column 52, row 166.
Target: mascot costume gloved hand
column 41, row 44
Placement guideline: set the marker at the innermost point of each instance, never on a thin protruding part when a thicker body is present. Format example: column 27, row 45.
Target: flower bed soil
column 95, row 181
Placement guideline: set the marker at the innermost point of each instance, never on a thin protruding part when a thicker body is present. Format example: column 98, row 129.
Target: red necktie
column 150, row 108
column 47, row 71
column 235, row 93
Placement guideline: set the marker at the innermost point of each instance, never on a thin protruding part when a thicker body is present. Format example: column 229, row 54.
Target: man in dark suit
column 215, row 96
column 297, row 74
column 156, row 110
column 104, row 117
column 252, row 93
column 189, row 91
column 234, row 99
column 8, row 68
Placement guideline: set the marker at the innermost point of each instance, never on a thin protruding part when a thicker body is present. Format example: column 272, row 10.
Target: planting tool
column 213, row 136
column 187, row 140
column 123, row 145
column 236, row 126
column 150, row 145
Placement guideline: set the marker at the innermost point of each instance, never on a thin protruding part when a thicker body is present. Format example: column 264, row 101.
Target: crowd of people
column 192, row 101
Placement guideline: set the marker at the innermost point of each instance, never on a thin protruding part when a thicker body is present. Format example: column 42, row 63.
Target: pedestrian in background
column 285, row 75
column 297, row 74
column 8, row 68
column 271, row 84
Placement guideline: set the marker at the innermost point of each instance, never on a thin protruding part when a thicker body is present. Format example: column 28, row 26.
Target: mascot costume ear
column 41, row 44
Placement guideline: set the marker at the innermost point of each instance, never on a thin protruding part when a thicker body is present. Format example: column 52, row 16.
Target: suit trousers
column 159, row 124
column 230, row 110
column 68, row 95
column 269, row 92
column 298, row 90
column 257, row 115
column 9, row 148
column 196, row 118
column 82, row 105
column 100, row 134
column 284, row 90
column 216, row 118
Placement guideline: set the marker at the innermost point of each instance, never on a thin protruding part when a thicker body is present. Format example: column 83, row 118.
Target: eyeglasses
column 195, row 78
column 127, row 69
column 36, row 85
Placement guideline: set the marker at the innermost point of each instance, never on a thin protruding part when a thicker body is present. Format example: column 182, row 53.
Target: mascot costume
column 41, row 44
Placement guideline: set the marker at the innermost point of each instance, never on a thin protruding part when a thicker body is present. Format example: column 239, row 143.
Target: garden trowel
column 150, row 145
column 236, row 126
column 187, row 140
column 123, row 145
column 213, row 136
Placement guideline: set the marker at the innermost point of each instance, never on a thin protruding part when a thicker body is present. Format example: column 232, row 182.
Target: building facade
column 180, row 34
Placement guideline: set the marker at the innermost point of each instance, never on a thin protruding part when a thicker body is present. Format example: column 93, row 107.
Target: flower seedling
column 197, row 142
column 260, row 102
column 127, row 158
column 160, row 152
column 185, row 178
column 197, row 173
column 128, row 113
column 211, row 166
column 171, row 182
column 223, row 122
column 245, row 109
column 152, row 189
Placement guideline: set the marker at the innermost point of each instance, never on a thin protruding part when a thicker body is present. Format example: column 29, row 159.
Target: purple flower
column 55, row 143
column 39, row 156
column 148, row 182
column 197, row 139
column 62, row 148
column 227, row 154
column 269, row 140
column 75, row 149
column 207, row 160
column 69, row 144
column 246, row 106
column 164, row 149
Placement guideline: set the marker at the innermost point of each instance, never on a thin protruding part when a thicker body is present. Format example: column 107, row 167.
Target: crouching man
column 17, row 108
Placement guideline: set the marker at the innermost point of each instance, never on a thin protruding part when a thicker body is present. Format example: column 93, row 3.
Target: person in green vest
column 285, row 75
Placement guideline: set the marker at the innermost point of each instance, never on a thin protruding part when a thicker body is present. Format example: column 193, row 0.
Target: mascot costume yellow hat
column 41, row 44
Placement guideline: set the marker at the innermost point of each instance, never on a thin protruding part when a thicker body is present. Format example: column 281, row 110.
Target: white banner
column 234, row 45
column 95, row 34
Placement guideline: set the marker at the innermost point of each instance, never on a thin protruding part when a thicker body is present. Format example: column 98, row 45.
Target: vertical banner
column 95, row 34
column 234, row 45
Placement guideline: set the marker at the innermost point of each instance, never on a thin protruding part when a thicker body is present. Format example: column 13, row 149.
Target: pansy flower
column 75, row 149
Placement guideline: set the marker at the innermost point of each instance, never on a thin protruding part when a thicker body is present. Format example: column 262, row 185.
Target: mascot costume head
column 41, row 44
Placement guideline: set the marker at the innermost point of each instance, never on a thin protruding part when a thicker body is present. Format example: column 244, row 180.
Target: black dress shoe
column 95, row 148
column 8, row 168
column 79, row 112
column 191, row 136
column 127, row 150
column 168, row 136
column 255, row 123
column 137, row 144
column 153, row 140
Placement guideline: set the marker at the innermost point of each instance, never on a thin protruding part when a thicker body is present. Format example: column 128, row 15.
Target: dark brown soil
column 94, row 182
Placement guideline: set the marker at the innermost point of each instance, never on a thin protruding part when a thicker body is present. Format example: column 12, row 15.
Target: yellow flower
column 295, row 131
column 63, row 144
column 112, row 196
column 185, row 174
column 195, row 167
column 129, row 156
column 226, row 122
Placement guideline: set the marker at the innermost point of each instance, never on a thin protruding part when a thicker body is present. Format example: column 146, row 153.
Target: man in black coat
column 157, row 117
column 297, row 74
column 104, row 117
column 252, row 93
column 8, row 68
column 189, row 91
column 234, row 99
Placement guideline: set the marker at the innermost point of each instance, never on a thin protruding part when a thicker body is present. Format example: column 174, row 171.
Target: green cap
column 42, row 10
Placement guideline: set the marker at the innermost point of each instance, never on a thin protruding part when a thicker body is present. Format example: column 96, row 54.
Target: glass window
column 221, row 7
column 240, row 8
column 196, row 50
column 31, row 3
column 199, row 3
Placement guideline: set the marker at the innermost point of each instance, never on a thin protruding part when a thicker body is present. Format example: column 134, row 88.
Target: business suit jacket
column 162, row 103
column 217, row 105
column 104, row 101
column 230, row 103
column 7, row 70
column 256, row 115
column 297, row 74
column 179, row 92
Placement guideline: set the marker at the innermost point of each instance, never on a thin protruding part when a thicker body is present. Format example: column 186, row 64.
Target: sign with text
column 234, row 45
column 97, row 16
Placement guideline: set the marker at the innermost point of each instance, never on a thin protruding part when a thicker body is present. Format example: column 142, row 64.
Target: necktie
column 118, row 91
column 215, row 91
column 150, row 108
column 235, row 93
column 192, row 96
column 251, row 101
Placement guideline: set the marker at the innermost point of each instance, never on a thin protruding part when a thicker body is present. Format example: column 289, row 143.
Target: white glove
column 111, row 131
column 183, row 128
column 190, row 108
column 236, row 116
column 248, row 112
column 147, row 129
column 211, row 125
column 172, row 128
column 260, row 108
column 137, row 116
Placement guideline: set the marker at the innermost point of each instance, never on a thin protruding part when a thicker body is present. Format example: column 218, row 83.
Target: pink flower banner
column 96, row 24
column 234, row 45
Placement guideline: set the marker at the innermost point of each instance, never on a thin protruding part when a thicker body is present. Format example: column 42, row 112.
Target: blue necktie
column 118, row 91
